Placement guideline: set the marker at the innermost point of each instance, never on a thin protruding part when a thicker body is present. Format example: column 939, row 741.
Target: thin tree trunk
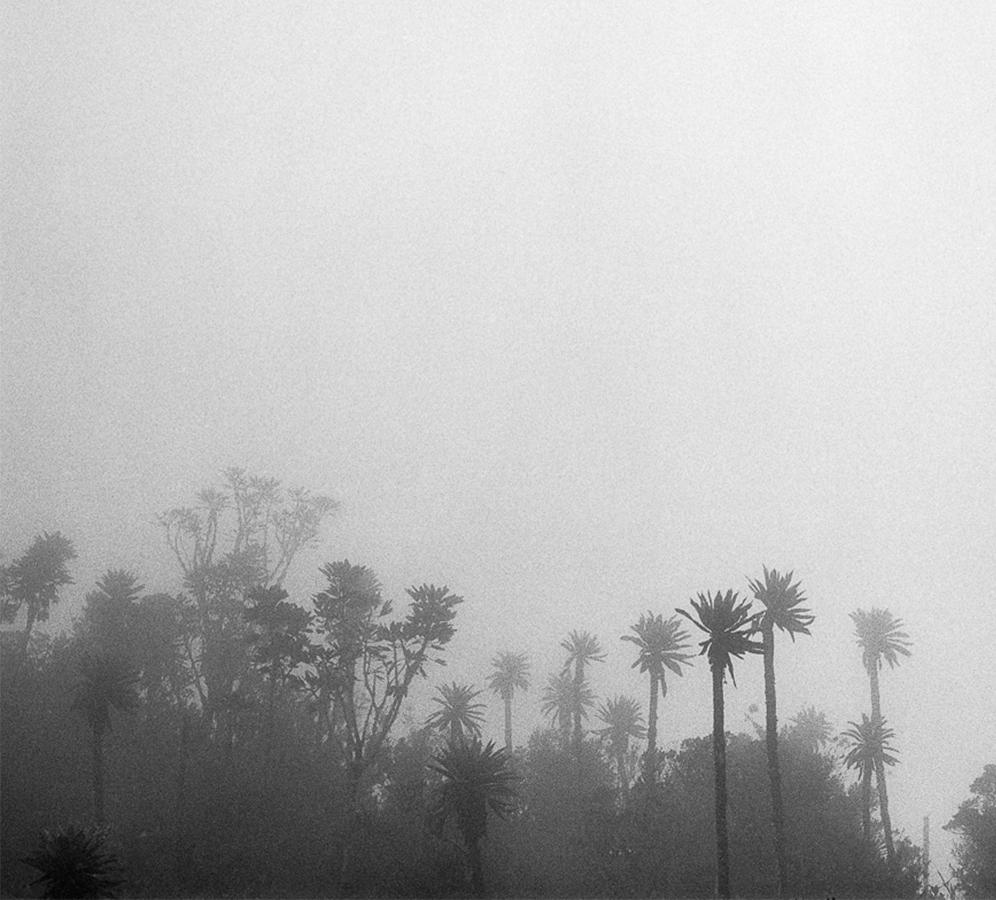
column 98, row 776
column 476, row 867
column 866, row 800
column 650, row 760
column 508, row 723
column 883, row 794
column 22, row 661
column 181, row 789
column 883, row 809
column 355, row 773
column 719, row 763
column 771, row 740
column 578, row 682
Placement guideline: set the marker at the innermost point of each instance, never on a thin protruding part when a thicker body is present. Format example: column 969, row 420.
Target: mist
column 578, row 311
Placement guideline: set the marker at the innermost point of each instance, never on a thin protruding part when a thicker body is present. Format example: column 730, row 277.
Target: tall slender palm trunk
column 578, row 682
column 650, row 760
column 719, row 763
column 866, row 803
column 883, row 793
column 98, row 776
column 771, row 741
column 508, row 722
column 476, row 867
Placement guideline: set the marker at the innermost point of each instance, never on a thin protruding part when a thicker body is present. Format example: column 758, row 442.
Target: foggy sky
column 579, row 309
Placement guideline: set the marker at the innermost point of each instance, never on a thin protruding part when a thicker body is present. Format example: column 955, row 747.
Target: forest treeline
column 230, row 740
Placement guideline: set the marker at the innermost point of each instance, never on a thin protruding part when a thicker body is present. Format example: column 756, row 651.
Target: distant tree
column 458, row 714
column 623, row 720
column 810, row 729
column 476, row 779
column 105, row 683
column 782, row 609
column 33, row 581
column 510, row 673
column 565, row 701
column 74, row 862
column 880, row 637
column 869, row 748
column 278, row 637
column 108, row 624
column 244, row 535
column 582, row 648
column 975, row 826
column 369, row 661
column 728, row 624
column 660, row 644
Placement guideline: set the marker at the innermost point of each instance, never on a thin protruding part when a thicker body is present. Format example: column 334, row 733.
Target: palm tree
column 564, row 700
column 623, row 720
column 728, row 624
column 810, row 728
column 33, row 581
column 457, row 713
column 880, row 637
column 475, row 779
column 660, row 644
column 781, row 599
column 74, row 862
column 582, row 648
column 869, row 749
column 511, row 673
column 106, row 682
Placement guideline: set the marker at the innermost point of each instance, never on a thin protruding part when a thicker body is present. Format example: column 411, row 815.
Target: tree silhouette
column 728, row 624
column 33, row 580
column 781, row 600
column 510, row 673
column 565, row 701
column 582, row 648
column 869, row 749
column 476, row 779
column 105, row 683
column 458, row 713
column 660, row 644
column 623, row 720
column 881, row 638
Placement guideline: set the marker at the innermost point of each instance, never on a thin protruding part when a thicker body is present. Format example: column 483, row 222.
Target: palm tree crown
column 106, row 682
column 623, row 720
column 457, row 713
column 728, row 624
column 810, row 728
column 511, row 673
column 582, row 648
column 781, row 601
column 660, row 644
column 880, row 637
column 563, row 696
column 868, row 742
column 476, row 779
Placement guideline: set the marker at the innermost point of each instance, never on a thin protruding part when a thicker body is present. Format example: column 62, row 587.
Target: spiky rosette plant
column 458, row 714
column 74, row 862
column 476, row 779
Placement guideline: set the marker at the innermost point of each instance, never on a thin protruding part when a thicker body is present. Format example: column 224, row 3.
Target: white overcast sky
column 577, row 308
